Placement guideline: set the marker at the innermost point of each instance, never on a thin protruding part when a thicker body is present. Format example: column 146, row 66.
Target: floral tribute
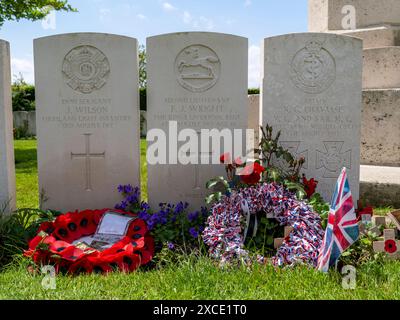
column 224, row 233
column 173, row 226
column 258, row 199
column 54, row 244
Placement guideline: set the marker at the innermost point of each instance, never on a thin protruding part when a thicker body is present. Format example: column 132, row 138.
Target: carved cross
column 333, row 159
column 87, row 156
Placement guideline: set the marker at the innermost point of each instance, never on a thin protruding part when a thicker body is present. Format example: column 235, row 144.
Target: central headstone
column 312, row 93
column 7, row 167
column 199, row 81
column 87, row 119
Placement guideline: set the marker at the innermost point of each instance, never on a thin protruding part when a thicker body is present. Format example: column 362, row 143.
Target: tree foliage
column 33, row 10
column 142, row 67
column 23, row 95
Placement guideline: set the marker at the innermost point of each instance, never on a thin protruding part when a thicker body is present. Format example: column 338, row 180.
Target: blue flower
column 133, row 198
column 204, row 212
column 128, row 189
column 144, row 216
column 121, row 188
column 193, row 216
column 193, row 232
column 122, row 206
column 171, row 246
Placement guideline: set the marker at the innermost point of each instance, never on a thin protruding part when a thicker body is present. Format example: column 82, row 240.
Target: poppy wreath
column 53, row 245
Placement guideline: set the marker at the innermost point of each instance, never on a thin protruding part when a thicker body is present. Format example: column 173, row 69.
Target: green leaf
column 212, row 183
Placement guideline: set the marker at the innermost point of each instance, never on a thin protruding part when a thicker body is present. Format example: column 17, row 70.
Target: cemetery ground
column 189, row 276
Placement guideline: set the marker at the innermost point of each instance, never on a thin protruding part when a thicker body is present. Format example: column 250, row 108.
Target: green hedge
column 23, row 97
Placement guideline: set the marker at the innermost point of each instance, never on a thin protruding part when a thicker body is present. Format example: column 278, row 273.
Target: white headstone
column 254, row 118
column 312, row 93
column 87, row 119
column 199, row 80
column 7, row 167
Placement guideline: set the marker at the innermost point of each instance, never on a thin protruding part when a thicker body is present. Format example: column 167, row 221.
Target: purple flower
column 193, row 216
column 144, row 216
column 121, row 188
column 193, row 232
column 171, row 246
column 128, row 189
column 204, row 212
column 133, row 198
column 122, row 206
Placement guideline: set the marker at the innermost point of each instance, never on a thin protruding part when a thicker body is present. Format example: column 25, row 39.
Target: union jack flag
column 342, row 230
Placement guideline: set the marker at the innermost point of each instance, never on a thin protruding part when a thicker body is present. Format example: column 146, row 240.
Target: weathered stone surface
column 383, row 36
column 381, row 68
column 327, row 15
column 380, row 133
column 198, row 80
column 312, row 93
column 87, row 119
column 254, row 117
column 7, row 167
column 380, row 186
column 25, row 120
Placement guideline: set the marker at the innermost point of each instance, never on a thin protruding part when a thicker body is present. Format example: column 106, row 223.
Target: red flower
column 225, row 158
column 251, row 174
column 390, row 246
column 238, row 162
column 309, row 186
column 136, row 249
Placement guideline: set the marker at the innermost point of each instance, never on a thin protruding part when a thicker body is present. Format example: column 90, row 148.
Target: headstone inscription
column 312, row 92
column 87, row 119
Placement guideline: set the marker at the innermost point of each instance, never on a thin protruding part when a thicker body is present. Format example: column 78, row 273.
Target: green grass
column 192, row 278
column 199, row 278
column 26, row 173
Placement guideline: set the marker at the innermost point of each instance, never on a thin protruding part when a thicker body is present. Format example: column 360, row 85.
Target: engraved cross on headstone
column 88, row 160
column 197, row 168
column 333, row 159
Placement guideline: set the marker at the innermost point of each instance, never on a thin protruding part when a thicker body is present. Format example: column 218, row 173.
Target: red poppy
column 134, row 250
column 309, row 186
column 390, row 246
column 251, row 174
column 225, row 158
column 238, row 162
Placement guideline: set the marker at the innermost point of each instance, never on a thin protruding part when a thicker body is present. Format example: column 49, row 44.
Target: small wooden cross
column 389, row 243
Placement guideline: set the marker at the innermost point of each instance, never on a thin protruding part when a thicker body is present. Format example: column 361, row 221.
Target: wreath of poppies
column 53, row 244
column 224, row 231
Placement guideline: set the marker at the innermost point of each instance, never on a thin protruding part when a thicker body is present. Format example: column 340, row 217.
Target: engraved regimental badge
column 86, row 69
column 197, row 68
column 313, row 68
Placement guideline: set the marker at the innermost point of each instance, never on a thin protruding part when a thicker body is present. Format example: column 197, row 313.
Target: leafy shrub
column 17, row 229
column 362, row 251
column 23, row 96
column 253, row 91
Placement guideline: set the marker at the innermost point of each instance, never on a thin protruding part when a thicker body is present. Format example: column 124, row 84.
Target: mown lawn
column 192, row 277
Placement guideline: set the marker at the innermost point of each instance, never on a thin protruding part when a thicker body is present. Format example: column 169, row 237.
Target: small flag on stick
column 342, row 230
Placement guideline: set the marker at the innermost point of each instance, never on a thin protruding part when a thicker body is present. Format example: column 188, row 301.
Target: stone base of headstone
column 380, row 186
column 380, row 132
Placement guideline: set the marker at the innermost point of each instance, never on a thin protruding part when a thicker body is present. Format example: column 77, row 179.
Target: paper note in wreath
column 111, row 229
